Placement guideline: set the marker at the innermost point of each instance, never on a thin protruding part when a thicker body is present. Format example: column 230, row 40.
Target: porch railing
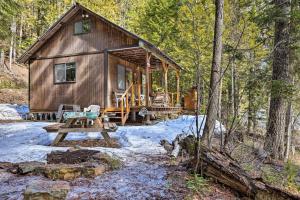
column 125, row 106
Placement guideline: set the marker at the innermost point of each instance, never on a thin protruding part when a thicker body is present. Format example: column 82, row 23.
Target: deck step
column 115, row 117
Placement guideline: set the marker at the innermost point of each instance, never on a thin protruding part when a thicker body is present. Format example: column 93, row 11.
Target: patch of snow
column 13, row 111
column 138, row 179
column 28, row 141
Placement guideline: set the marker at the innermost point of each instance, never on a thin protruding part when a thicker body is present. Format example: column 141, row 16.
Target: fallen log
column 227, row 171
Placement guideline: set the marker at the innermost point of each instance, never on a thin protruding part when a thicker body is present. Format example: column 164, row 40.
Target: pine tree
column 274, row 142
column 215, row 76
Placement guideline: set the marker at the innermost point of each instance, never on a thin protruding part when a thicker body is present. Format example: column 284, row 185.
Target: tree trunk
column 274, row 142
column 220, row 97
column 232, row 105
column 288, row 130
column 228, row 172
column 2, row 59
column 11, row 51
column 215, row 76
column 236, row 100
column 20, row 35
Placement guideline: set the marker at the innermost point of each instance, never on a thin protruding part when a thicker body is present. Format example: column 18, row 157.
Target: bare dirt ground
column 89, row 143
column 13, row 85
column 14, row 96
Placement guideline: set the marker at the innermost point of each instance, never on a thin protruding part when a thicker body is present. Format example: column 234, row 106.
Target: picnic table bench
column 79, row 124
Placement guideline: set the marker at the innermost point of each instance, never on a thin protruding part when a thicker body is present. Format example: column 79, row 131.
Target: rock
column 59, row 171
column 113, row 163
column 62, row 172
column 70, row 157
column 168, row 147
column 70, row 172
column 92, row 170
column 29, row 167
column 51, row 190
column 67, row 165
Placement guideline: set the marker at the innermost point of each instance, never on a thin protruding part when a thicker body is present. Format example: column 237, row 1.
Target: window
column 82, row 27
column 64, row 73
column 121, row 77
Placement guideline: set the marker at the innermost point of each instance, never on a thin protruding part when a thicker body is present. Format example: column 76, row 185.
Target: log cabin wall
column 89, row 86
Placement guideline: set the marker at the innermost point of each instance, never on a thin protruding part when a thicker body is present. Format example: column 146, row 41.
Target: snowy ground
column 138, row 179
column 28, row 141
column 13, row 111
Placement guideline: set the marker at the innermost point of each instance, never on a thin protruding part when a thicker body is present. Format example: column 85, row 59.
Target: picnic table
column 80, row 124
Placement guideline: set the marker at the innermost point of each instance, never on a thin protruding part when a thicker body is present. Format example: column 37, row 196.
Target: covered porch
column 137, row 93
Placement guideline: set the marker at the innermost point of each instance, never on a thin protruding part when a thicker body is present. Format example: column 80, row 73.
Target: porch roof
column 137, row 55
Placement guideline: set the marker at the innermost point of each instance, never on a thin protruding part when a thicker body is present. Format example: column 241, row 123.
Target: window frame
column 81, row 20
column 65, row 66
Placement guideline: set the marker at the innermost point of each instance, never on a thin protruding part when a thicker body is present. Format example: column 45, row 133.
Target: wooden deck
column 155, row 110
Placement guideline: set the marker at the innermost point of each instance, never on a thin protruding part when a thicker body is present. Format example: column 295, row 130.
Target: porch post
column 148, row 56
column 165, row 71
column 133, row 91
column 178, row 89
column 139, row 85
column 133, row 87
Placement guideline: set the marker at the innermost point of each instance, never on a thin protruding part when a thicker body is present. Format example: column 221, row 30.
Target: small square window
column 64, row 73
column 82, row 27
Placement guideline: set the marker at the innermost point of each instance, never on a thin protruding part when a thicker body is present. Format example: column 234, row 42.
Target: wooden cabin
column 190, row 99
column 85, row 59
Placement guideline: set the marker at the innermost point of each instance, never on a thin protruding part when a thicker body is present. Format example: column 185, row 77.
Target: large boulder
column 47, row 190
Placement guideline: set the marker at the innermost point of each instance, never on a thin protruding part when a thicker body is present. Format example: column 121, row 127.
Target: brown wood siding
column 87, row 90
column 113, row 62
column 102, row 36
column 89, row 86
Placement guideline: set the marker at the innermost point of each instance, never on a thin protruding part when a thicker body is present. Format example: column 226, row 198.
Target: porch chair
column 92, row 110
column 117, row 98
column 161, row 100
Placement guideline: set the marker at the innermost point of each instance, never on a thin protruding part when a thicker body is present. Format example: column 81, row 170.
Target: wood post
column 139, row 86
column 165, row 71
column 147, row 95
column 178, row 89
column 133, row 89
column 148, row 56
column 106, row 72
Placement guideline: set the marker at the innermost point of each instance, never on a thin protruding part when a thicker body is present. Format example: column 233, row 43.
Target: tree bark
column 228, row 172
column 20, row 35
column 274, row 143
column 288, row 130
column 2, row 59
column 212, row 109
